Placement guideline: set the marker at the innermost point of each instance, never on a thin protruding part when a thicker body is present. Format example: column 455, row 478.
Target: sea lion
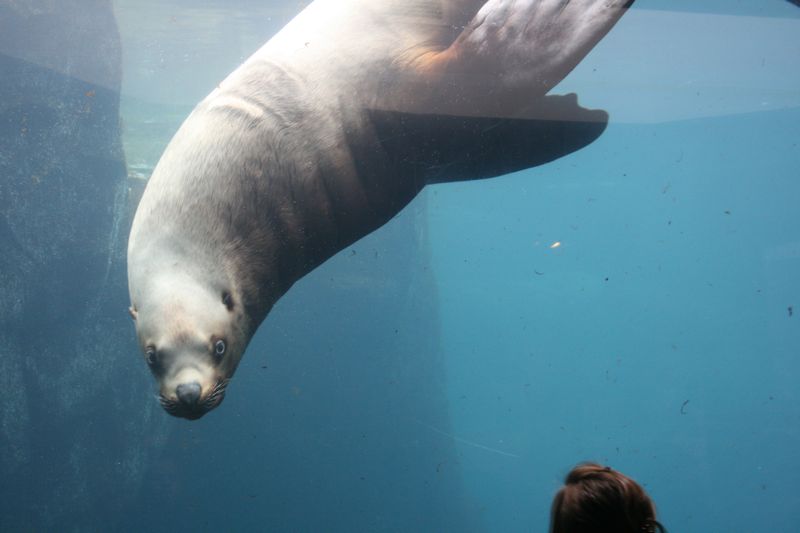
column 321, row 137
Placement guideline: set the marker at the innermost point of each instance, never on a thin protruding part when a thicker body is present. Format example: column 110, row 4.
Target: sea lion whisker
column 214, row 399
column 167, row 403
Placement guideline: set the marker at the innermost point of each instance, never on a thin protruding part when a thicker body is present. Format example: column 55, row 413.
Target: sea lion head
column 192, row 337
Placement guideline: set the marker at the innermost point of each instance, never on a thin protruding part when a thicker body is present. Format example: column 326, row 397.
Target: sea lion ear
column 132, row 311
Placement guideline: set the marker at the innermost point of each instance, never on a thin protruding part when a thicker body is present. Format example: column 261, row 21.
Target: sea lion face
column 191, row 340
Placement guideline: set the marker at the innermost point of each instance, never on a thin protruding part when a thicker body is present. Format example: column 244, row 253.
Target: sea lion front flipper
column 433, row 148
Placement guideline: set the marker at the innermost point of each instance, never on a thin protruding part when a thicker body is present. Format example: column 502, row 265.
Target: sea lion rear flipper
column 432, row 148
column 510, row 52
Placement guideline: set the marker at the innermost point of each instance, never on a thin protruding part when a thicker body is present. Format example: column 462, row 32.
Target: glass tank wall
column 634, row 303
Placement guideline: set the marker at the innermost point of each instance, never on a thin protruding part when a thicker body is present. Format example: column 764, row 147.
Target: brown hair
column 597, row 499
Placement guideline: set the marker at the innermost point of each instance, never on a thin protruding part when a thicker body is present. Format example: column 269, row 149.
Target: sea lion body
column 321, row 137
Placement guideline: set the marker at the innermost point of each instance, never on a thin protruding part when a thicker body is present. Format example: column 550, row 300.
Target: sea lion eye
column 227, row 300
column 219, row 348
column 151, row 355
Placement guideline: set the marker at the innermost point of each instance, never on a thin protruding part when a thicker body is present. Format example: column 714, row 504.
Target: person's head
column 597, row 499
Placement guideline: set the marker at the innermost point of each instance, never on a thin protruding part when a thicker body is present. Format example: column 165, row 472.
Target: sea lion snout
column 188, row 394
column 187, row 401
column 190, row 401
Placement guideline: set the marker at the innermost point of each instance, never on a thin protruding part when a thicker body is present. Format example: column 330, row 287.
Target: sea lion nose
column 188, row 393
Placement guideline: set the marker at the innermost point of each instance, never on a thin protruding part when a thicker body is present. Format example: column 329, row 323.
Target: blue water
column 657, row 338
column 635, row 303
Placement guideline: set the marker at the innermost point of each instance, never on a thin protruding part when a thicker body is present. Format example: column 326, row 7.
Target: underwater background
column 634, row 303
